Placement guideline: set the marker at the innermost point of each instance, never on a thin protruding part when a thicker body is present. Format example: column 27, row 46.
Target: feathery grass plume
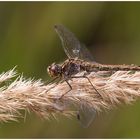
column 48, row 100
column 5, row 76
column 117, row 88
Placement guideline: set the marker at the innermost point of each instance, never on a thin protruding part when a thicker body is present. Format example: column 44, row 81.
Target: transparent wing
column 85, row 54
column 72, row 46
column 86, row 116
column 70, row 43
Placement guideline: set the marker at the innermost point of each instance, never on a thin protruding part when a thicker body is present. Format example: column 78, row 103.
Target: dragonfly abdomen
column 119, row 68
column 100, row 67
column 89, row 67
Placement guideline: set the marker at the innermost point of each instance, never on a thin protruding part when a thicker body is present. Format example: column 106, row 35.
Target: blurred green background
column 111, row 30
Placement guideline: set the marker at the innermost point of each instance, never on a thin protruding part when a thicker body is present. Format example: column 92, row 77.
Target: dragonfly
column 80, row 59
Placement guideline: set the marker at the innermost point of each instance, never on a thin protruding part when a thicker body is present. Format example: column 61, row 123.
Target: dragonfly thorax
column 70, row 68
column 54, row 70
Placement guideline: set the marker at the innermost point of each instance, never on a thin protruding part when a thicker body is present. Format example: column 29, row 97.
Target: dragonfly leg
column 68, row 90
column 92, row 85
column 53, row 81
column 84, row 76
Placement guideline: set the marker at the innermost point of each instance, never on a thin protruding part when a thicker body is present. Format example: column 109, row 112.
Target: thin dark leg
column 66, row 80
column 89, row 82
column 53, row 81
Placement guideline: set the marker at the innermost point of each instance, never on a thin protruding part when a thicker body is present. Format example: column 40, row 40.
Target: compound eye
column 54, row 70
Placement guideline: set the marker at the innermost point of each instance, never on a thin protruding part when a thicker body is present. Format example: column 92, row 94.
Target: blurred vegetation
column 111, row 30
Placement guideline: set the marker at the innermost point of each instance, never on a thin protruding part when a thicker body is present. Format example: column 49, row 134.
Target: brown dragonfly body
column 80, row 59
column 73, row 66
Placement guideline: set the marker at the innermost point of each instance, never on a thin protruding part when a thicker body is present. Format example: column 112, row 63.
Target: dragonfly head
column 54, row 70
